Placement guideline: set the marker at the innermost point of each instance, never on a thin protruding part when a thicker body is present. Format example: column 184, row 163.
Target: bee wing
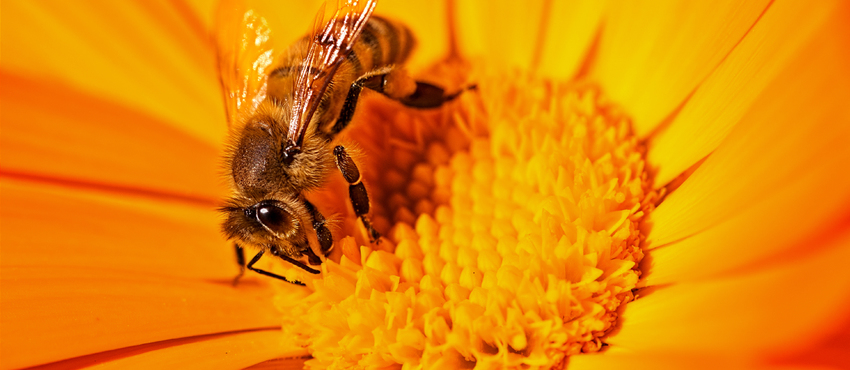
column 331, row 43
column 245, row 55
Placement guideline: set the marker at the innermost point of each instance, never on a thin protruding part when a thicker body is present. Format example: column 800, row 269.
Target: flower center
column 514, row 233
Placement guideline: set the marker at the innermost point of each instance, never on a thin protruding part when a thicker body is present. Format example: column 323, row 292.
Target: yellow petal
column 201, row 11
column 291, row 20
column 287, row 20
column 234, row 351
column 795, row 134
column 84, row 272
column 788, row 220
column 52, row 131
column 719, row 103
column 752, row 315
column 651, row 56
column 551, row 37
column 427, row 21
column 143, row 55
column 501, row 32
column 484, row 31
column 572, row 26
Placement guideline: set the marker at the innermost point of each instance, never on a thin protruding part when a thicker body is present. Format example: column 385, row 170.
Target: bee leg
column 326, row 239
column 430, row 96
column 256, row 258
column 240, row 259
column 312, row 257
column 395, row 85
column 356, row 189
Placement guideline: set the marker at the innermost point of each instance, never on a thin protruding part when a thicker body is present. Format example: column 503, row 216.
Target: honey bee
column 285, row 111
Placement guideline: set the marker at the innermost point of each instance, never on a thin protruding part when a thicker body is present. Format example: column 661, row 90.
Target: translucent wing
column 245, row 56
column 331, row 42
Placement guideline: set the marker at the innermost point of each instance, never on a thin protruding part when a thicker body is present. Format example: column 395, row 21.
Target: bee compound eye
column 274, row 218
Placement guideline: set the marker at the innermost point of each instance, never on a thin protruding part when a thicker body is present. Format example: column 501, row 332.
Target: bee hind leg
column 396, row 85
column 256, row 258
column 430, row 96
column 356, row 190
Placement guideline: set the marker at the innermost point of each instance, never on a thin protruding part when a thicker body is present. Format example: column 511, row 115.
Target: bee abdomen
column 382, row 42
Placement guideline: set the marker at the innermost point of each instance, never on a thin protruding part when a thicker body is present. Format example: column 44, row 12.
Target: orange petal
column 616, row 359
column 84, row 272
column 91, row 229
column 763, row 313
column 86, row 138
column 143, row 55
column 832, row 351
column 55, row 313
column 776, row 179
column 727, row 94
column 281, row 364
column 236, row 351
column 651, row 58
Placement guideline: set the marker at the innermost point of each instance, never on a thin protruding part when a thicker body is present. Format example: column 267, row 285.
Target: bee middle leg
column 396, row 85
column 356, row 190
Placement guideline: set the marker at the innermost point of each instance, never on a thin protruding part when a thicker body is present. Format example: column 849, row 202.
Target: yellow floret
column 515, row 236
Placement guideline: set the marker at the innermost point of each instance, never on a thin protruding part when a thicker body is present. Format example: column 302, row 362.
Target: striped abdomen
column 381, row 43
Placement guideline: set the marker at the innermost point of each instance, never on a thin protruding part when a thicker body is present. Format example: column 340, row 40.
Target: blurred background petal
column 651, row 55
column 85, row 272
column 774, row 182
column 150, row 56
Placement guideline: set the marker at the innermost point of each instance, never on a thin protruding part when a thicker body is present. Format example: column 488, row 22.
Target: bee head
column 269, row 177
column 275, row 217
column 269, row 222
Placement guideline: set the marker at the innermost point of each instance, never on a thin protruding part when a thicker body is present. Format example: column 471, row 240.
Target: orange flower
column 112, row 126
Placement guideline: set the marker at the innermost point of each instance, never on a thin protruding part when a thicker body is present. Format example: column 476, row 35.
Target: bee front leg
column 256, row 258
column 240, row 259
column 326, row 240
column 356, row 189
